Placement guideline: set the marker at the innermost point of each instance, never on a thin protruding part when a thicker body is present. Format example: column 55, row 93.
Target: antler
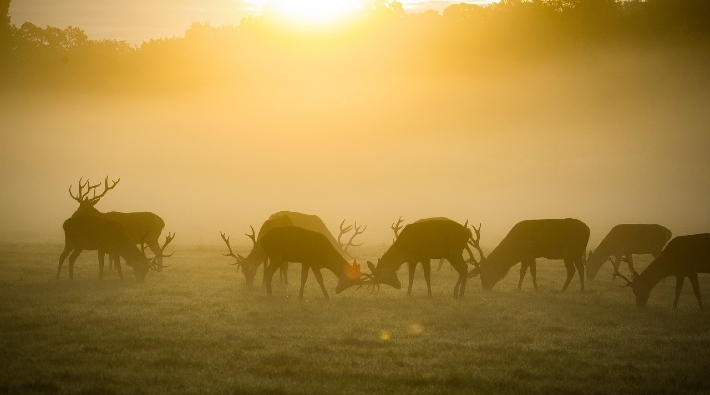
column 82, row 196
column 107, row 188
column 396, row 228
column 343, row 230
column 475, row 243
column 238, row 263
column 252, row 236
column 628, row 282
column 154, row 264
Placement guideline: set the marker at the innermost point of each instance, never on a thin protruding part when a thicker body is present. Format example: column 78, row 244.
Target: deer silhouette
column 624, row 240
column 544, row 238
column 422, row 241
column 314, row 251
column 684, row 256
column 257, row 256
column 137, row 224
column 107, row 236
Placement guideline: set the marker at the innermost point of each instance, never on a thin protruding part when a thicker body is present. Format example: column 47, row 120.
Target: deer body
column 624, row 240
column 257, row 256
column 313, row 250
column 684, row 256
column 420, row 242
column 546, row 238
column 88, row 232
column 138, row 225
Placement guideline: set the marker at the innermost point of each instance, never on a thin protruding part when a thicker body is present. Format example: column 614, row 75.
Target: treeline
column 382, row 40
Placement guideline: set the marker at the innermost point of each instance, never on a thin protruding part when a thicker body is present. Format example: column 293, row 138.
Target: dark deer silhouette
column 257, row 256
column 136, row 224
column 396, row 227
column 684, row 256
column 313, row 251
column 420, row 242
column 624, row 240
column 544, row 238
column 90, row 232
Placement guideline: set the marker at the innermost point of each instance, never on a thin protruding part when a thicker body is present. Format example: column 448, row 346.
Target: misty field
column 197, row 328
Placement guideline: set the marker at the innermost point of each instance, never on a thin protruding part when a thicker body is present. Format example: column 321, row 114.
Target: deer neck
column 87, row 209
column 393, row 258
column 655, row 272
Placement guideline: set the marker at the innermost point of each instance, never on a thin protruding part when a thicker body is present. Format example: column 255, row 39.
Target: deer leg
column 284, row 273
column 319, row 278
column 570, row 273
column 269, row 274
column 523, row 270
column 62, row 257
column 72, row 258
column 102, row 256
column 630, row 261
column 678, row 287
column 579, row 263
column 460, row 266
column 304, row 277
column 118, row 267
column 441, row 264
column 533, row 272
column 696, row 288
column 426, row 266
column 412, row 268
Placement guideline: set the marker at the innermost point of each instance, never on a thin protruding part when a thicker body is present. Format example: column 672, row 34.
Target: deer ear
column 371, row 266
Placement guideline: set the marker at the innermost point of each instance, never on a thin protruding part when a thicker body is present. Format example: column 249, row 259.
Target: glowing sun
column 313, row 10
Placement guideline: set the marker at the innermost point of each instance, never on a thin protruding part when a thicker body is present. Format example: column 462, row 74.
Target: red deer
column 544, row 238
column 136, row 224
column 684, row 256
column 257, row 255
column 314, row 251
column 89, row 232
column 625, row 240
column 420, row 242
column 426, row 265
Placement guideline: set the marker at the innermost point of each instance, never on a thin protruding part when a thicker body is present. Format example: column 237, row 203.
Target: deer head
column 479, row 266
column 248, row 267
column 141, row 270
column 86, row 202
column 352, row 276
column 382, row 275
column 641, row 289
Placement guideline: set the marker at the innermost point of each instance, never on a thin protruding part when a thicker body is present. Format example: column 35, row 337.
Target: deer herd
column 301, row 238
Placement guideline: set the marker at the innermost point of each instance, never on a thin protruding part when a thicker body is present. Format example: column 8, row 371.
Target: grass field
column 196, row 328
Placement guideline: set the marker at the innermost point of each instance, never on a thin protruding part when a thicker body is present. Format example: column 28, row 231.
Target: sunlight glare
column 313, row 11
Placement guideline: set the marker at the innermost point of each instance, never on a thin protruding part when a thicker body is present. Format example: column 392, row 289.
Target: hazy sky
column 138, row 20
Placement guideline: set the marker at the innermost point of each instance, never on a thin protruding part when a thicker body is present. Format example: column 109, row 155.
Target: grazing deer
column 257, row 255
column 136, row 224
column 544, row 238
column 684, row 256
column 412, row 266
column 314, row 251
column 107, row 236
column 624, row 240
column 420, row 242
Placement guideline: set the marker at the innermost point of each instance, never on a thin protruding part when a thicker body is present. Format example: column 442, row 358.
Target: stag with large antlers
column 314, row 251
column 623, row 241
column 88, row 232
column 136, row 224
column 544, row 238
column 257, row 256
column 420, row 242
column 684, row 256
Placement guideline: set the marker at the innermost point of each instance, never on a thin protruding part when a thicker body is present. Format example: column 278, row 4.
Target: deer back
column 309, row 222
column 295, row 244
column 543, row 238
column 138, row 223
column 427, row 239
